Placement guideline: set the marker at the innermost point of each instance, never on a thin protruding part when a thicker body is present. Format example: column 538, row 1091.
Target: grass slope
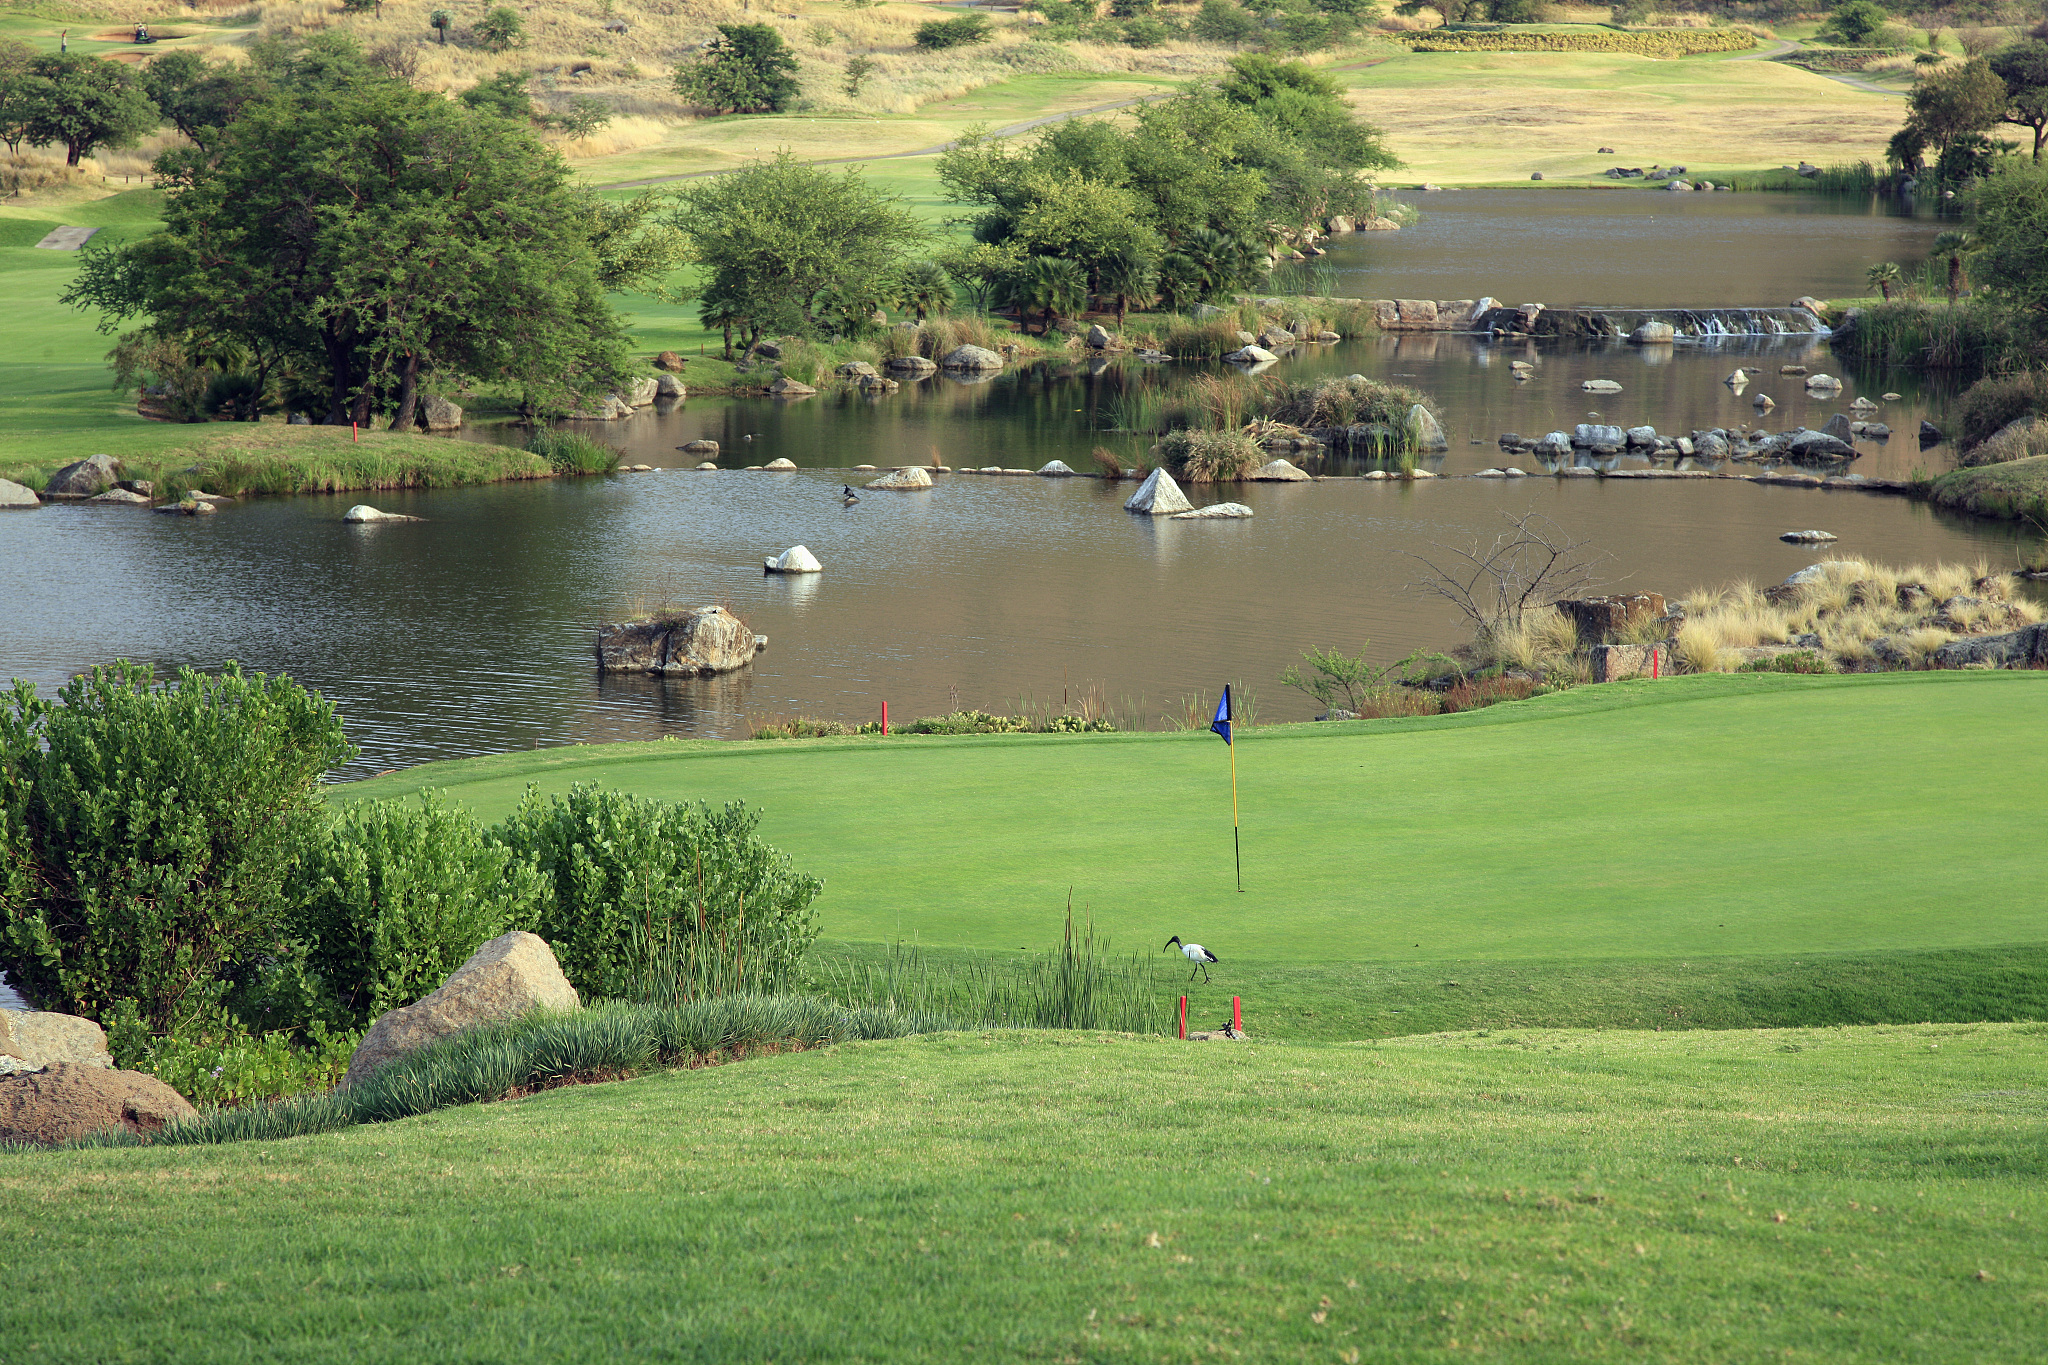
column 1712, row 815
column 1832, row 1195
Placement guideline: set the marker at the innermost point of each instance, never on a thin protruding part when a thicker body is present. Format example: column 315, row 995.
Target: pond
column 471, row 632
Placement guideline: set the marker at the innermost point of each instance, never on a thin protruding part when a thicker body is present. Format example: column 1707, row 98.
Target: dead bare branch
column 1533, row 563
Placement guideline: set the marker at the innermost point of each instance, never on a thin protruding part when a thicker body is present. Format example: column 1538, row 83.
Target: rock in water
column 1250, row 355
column 786, row 387
column 668, row 386
column 692, row 644
column 1837, row 427
column 855, row 369
column 1056, row 469
column 13, row 494
column 915, row 364
column 1098, row 338
column 1737, row 381
column 910, row 476
column 1822, row 381
column 796, row 559
column 511, row 975
column 699, row 447
column 120, row 497
column 1601, row 386
column 84, row 478
column 971, row 358
column 1158, row 496
column 1654, row 334
column 781, row 464
column 1929, row 433
column 66, row 1100
column 363, row 512
column 1429, row 433
column 39, row 1038
column 1220, row 511
column 1807, row 537
column 189, row 507
column 1280, row 471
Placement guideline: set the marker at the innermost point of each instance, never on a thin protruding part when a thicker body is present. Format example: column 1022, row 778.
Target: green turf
column 1707, row 816
column 1839, row 1195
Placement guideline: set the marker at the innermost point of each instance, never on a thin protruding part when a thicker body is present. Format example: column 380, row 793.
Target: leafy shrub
column 1992, row 404
column 247, row 1070
column 796, row 727
column 1146, row 31
column 398, row 895
column 1660, row 43
column 617, row 864
column 937, row 34
column 1223, row 21
column 571, row 452
column 1805, row 661
column 967, row 723
column 146, row 832
column 746, row 69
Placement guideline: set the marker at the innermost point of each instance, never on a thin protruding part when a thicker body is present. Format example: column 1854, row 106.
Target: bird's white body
column 1195, row 953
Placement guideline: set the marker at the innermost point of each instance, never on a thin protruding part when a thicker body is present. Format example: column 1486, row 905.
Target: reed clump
column 572, row 452
column 1211, row 456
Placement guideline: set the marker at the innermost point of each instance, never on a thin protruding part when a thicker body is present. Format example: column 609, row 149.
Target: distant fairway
column 1722, row 815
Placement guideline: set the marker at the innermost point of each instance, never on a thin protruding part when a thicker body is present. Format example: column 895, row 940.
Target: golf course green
column 1698, row 816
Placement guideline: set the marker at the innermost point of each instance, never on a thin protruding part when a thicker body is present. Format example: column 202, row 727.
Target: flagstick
column 1236, row 846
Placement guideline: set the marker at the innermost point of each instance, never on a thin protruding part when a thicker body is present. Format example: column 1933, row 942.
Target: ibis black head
column 1170, row 942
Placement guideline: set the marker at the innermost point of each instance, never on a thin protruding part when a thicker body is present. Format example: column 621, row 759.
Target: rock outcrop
column 971, row 358
column 84, row 478
column 439, row 414
column 909, row 477
column 1158, row 496
column 13, row 494
column 786, row 387
column 692, row 644
column 512, row 975
column 67, row 1100
column 1597, row 618
column 1611, row 663
column 40, row 1037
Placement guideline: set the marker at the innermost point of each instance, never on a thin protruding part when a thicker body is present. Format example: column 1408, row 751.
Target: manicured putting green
column 1696, row 816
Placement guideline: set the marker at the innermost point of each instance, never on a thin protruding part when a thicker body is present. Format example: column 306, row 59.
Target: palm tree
column 1884, row 275
column 1955, row 245
column 1050, row 285
column 924, row 289
column 723, row 314
column 1127, row 275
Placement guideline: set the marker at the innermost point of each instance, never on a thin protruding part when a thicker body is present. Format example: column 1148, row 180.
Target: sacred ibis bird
column 847, row 496
column 1195, row 953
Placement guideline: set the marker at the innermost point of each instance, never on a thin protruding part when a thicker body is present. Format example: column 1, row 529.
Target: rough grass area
column 1837, row 1194
column 270, row 457
column 1716, row 815
column 2016, row 489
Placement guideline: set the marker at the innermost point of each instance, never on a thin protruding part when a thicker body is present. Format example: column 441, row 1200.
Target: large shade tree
column 364, row 235
column 2024, row 69
column 86, row 103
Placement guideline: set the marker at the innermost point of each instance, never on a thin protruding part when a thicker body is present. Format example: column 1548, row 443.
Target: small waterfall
column 1690, row 324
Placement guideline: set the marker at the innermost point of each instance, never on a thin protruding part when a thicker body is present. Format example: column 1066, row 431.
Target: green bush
column 1992, row 404
column 1975, row 337
column 398, row 895
column 1675, row 42
column 937, row 34
column 623, row 871
column 1805, row 661
column 501, row 29
column 1210, row 456
column 247, row 1070
column 146, row 833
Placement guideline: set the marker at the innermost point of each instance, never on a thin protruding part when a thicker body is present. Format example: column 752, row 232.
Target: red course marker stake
column 1183, row 1017
column 885, row 718
column 355, row 434
column 1237, row 1014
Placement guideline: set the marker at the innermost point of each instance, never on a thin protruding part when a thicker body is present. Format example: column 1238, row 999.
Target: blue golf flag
column 1221, row 725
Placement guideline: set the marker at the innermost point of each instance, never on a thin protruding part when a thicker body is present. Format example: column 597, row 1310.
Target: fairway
column 1837, row 1194
column 1713, row 815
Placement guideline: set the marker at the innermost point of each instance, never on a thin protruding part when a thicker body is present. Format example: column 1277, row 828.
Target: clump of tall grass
column 1342, row 402
column 795, row 727
column 1976, row 336
column 938, row 336
column 2022, row 439
column 1211, row 456
column 1207, row 339
column 1076, row 985
column 571, row 452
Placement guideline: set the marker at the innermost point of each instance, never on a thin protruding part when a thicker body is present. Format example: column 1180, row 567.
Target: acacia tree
column 2012, row 227
column 775, row 235
column 1950, row 106
column 2024, row 69
column 20, row 93
column 370, row 234
column 746, row 69
column 86, row 103
column 201, row 98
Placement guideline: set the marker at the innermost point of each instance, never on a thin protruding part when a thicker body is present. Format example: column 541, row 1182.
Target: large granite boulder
column 786, row 387
column 1597, row 618
column 1595, row 436
column 120, row 497
column 40, row 1037
column 971, row 358
column 1818, row 447
column 670, row 361
column 512, row 975
column 701, row 446
column 2024, row 648
column 438, row 414
column 1158, row 496
column 909, row 364
column 1219, row 511
column 1281, row 471
column 1429, row 433
column 911, row 476
column 691, row 644
column 1250, row 355
column 668, row 386
column 1099, row 338
column 13, row 494
column 363, row 514
column 855, row 369
column 84, row 478
column 1556, row 445
column 67, row 1100
column 1611, row 663
column 1654, row 333
column 796, row 559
